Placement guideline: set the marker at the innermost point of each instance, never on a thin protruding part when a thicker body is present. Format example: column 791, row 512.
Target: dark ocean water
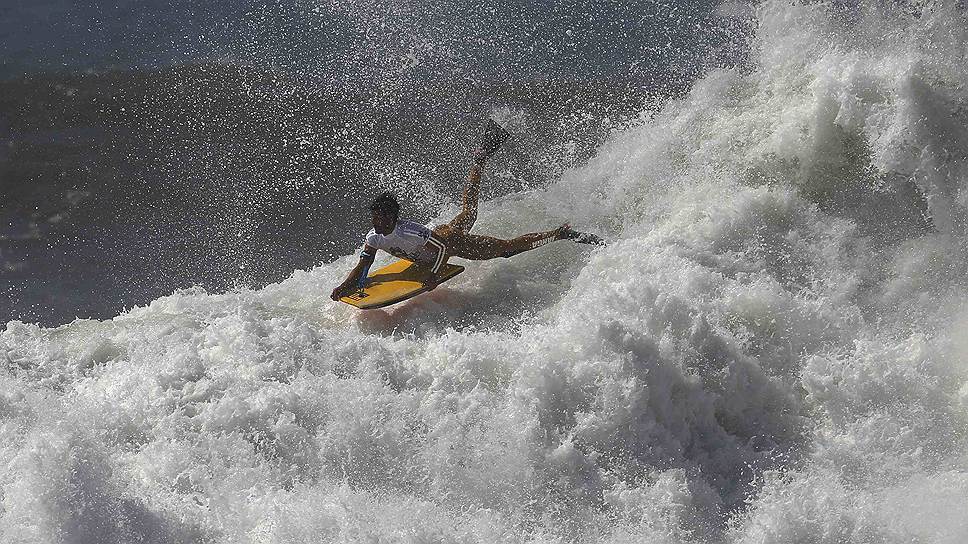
column 146, row 147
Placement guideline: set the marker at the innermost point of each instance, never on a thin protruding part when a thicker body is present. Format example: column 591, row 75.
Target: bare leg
column 468, row 215
column 481, row 248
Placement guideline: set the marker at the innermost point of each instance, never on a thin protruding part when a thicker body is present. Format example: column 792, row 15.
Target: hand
column 338, row 292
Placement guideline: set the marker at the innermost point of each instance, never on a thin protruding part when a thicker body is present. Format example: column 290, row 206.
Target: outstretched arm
column 352, row 281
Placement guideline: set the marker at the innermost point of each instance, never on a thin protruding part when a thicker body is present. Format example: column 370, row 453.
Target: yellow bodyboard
column 395, row 283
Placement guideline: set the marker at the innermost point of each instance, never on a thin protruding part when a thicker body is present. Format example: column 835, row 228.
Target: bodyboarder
column 432, row 247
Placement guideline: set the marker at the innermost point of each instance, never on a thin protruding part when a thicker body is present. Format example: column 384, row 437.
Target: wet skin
column 383, row 224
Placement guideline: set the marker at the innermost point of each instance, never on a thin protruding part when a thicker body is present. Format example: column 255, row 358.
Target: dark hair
column 386, row 204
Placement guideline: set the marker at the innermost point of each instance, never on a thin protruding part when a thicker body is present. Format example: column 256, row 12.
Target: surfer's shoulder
column 412, row 227
column 372, row 238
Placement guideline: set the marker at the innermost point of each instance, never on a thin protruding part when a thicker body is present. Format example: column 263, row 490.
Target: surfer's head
column 385, row 210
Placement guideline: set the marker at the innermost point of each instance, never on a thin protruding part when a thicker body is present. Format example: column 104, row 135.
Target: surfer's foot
column 565, row 232
column 494, row 135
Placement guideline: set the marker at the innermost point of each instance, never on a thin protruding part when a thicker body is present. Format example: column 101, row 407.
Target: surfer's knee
column 466, row 220
column 510, row 248
column 492, row 249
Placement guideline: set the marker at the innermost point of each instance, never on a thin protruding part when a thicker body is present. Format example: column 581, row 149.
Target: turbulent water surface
column 773, row 348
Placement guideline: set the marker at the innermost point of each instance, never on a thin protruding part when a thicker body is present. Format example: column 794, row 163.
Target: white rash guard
column 411, row 241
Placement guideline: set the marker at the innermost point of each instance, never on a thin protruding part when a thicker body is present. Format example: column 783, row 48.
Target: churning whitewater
column 773, row 348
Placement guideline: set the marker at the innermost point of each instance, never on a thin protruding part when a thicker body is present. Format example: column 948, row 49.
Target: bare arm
column 352, row 281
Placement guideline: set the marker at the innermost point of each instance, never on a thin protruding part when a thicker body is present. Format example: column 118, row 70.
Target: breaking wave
column 773, row 348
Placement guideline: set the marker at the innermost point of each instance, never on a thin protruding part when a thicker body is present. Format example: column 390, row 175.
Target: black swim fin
column 584, row 237
column 493, row 136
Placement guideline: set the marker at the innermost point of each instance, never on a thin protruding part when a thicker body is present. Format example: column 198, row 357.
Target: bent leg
column 468, row 215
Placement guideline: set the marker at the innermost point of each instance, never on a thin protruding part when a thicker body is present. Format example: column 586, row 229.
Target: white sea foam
column 773, row 348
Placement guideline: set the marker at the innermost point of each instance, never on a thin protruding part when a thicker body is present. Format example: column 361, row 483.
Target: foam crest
column 770, row 350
